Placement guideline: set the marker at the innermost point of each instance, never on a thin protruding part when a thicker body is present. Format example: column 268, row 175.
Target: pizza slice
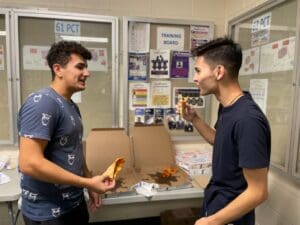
column 114, row 169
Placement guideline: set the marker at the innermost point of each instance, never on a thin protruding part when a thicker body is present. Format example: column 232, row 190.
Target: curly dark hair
column 61, row 52
column 222, row 51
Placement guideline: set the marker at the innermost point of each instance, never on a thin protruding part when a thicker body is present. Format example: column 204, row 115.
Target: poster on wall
column 138, row 95
column 199, row 35
column 277, row 56
column 138, row 66
column 180, row 64
column 171, row 38
column 139, row 115
column 160, row 94
column 192, row 62
column 192, row 95
column 260, row 30
column 259, row 91
column 159, row 63
column 34, row 57
column 139, row 37
column 1, row 57
column 98, row 61
column 250, row 62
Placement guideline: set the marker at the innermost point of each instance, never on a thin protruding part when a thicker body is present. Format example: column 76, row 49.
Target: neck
column 61, row 91
column 234, row 99
column 228, row 96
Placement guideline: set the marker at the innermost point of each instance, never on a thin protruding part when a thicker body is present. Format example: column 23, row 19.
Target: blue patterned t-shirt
column 48, row 116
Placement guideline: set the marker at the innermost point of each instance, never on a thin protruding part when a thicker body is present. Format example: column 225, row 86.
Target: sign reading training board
column 171, row 38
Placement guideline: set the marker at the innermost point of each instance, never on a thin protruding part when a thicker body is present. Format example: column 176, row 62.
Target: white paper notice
column 138, row 95
column 277, row 56
column 34, row 57
column 161, row 94
column 191, row 69
column 259, row 91
column 260, row 30
column 99, row 59
column 139, row 37
column 250, row 62
column 170, row 38
column 199, row 35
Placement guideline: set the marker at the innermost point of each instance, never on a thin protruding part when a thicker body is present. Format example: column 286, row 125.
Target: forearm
column 204, row 130
column 240, row 206
column 47, row 171
column 255, row 193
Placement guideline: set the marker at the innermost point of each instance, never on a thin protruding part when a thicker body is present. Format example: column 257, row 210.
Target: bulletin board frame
column 97, row 32
column 284, row 115
column 154, row 23
column 6, row 35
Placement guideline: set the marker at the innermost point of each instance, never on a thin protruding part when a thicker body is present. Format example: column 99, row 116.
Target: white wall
column 283, row 204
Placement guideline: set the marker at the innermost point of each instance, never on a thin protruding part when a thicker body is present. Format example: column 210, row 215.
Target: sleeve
column 38, row 117
column 254, row 142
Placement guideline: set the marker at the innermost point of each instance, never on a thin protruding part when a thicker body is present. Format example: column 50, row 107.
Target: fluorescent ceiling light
column 86, row 39
column 2, row 33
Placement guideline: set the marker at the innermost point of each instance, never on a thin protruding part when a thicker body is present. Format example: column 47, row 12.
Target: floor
column 144, row 221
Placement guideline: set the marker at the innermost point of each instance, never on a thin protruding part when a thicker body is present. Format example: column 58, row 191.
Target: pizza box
column 148, row 155
column 154, row 157
column 102, row 147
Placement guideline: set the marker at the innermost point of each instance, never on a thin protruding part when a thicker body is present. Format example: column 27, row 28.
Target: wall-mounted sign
column 260, row 31
column 67, row 27
column 171, row 38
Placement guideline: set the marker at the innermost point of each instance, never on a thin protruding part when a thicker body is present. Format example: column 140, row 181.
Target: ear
column 57, row 70
column 220, row 71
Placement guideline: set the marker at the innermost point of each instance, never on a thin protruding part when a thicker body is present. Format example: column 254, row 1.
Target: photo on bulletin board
column 137, row 68
column 192, row 94
column 138, row 95
column 180, row 64
column 159, row 63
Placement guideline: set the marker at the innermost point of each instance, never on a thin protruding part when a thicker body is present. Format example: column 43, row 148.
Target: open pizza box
column 102, row 147
column 148, row 157
column 154, row 157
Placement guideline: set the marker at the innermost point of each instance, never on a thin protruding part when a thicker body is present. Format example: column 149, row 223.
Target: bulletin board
column 159, row 70
column 268, row 70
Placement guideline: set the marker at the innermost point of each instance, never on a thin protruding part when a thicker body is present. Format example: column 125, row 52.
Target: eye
column 81, row 66
column 197, row 70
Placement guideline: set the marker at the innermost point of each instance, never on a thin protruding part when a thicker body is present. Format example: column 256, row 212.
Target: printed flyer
column 137, row 68
column 159, row 63
column 180, row 64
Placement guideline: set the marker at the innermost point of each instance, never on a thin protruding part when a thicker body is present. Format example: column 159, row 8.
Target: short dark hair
column 222, row 51
column 61, row 52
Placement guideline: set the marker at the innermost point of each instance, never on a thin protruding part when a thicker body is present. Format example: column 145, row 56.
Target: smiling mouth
column 82, row 81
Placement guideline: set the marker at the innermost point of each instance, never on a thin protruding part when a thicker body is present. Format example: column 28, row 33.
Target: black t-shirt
column 243, row 140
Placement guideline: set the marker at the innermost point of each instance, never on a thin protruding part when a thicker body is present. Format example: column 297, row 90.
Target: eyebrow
column 82, row 64
column 196, row 69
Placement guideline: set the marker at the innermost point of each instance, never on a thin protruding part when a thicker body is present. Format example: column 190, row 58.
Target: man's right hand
column 101, row 184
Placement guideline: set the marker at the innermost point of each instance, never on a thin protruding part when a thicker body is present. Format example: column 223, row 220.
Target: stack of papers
column 4, row 178
column 195, row 160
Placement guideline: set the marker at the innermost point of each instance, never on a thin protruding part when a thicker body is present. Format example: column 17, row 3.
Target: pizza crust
column 114, row 169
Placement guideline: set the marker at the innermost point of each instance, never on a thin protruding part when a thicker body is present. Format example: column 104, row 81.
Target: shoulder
column 249, row 115
column 42, row 102
column 43, row 98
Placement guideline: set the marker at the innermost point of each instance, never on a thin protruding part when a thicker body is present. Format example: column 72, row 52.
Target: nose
column 86, row 72
column 195, row 78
